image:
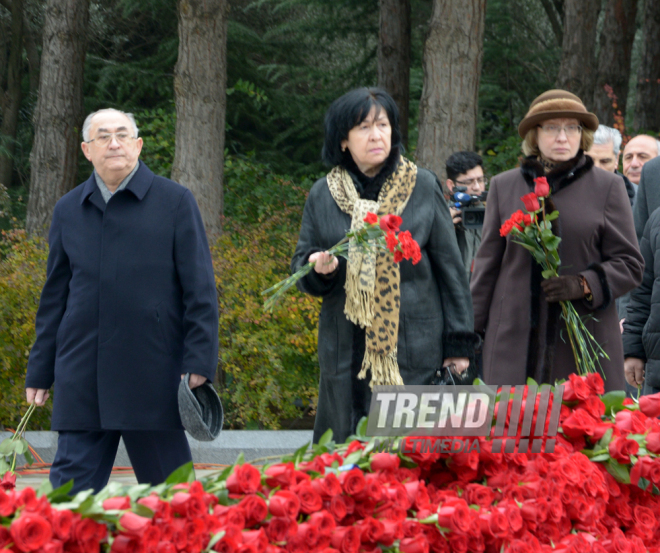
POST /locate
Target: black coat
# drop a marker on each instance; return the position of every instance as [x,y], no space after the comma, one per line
[128,306]
[435,319]
[641,329]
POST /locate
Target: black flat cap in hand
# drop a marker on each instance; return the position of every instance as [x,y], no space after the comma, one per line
[200,410]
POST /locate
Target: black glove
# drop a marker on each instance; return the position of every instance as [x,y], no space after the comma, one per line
[563,288]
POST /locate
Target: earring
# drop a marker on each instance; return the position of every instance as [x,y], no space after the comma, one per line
[343,149]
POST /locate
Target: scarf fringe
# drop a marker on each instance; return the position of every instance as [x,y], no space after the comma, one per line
[359,306]
[384,369]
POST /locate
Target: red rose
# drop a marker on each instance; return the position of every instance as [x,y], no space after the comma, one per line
[324,522]
[62,522]
[310,500]
[576,389]
[279,528]
[53,546]
[87,530]
[531,202]
[418,544]
[352,481]
[255,509]
[8,482]
[284,504]
[652,442]
[327,486]
[126,544]
[384,461]
[371,218]
[650,405]
[132,524]
[280,475]
[645,521]
[390,223]
[118,503]
[391,531]
[542,188]
[371,529]
[456,516]
[398,256]
[7,506]
[494,524]
[595,382]
[151,537]
[256,537]
[337,507]
[391,241]
[410,247]
[579,423]
[165,547]
[244,479]
[527,219]
[30,531]
[621,449]
[346,539]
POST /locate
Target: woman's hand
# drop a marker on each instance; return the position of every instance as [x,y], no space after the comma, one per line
[326,263]
[457,365]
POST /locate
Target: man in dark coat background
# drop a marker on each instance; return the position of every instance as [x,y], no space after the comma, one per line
[129,306]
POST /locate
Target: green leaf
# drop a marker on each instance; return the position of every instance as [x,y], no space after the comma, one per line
[600,458]
[606,439]
[353,458]
[361,430]
[21,446]
[548,273]
[552,216]
[240,460]
[28,457]
[4,465]
[7,446]
[327,436]
[143,510]
[613,400]
[137,491]
[620,472]
[45,488]
[546,234]
[531,382]
[215,539]
[552,243]
[185,473]
[61,492]
[300,453]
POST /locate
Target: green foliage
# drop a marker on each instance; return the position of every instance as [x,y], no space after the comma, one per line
[157,129]
[22,275]
[269,364]
[503,157]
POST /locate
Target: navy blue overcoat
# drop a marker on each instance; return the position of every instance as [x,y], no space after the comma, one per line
[128,306]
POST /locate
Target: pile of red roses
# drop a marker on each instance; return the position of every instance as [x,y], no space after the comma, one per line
[593,494]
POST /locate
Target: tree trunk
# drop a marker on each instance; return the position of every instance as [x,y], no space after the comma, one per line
[200,82]
[11,103]
[616,42]
[394,56]
[452,67]
[647,109]
[59,112]
[30,34]
[576,72]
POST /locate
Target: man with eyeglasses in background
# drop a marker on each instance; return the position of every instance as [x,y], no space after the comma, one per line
[128,307]
[465,171]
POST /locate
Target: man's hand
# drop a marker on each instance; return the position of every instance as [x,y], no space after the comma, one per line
[195,380]
[457,365]
[455,215]
[36,395]
[326,263]
[621,325]
[633,368]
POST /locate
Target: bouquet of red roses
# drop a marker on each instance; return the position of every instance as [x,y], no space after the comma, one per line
[376,233]
[532,229]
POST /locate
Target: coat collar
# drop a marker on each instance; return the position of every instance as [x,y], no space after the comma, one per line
[138,185]
[561,176]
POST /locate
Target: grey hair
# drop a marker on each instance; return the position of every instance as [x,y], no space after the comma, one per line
[88,122]
[604,134]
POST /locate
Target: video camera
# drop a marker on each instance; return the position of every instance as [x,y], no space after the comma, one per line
[472,208]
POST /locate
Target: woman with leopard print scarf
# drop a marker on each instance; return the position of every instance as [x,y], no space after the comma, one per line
[381,322]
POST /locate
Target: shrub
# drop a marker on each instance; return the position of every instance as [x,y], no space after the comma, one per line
[22,275]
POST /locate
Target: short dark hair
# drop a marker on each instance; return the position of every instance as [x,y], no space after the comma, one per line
[350,110]
[461,162]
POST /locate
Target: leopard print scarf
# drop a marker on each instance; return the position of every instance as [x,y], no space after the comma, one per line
[372,277]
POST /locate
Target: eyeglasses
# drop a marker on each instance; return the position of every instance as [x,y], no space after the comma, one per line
[483,181]
[105,138]
[555,130]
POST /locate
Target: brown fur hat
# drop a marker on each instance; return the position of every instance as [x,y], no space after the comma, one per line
[556,104]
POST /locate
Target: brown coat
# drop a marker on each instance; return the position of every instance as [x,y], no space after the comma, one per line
[524,335]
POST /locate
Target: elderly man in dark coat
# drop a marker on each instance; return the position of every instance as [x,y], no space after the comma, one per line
[129,306]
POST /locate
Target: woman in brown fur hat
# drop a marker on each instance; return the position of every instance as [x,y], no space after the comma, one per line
[514,306]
